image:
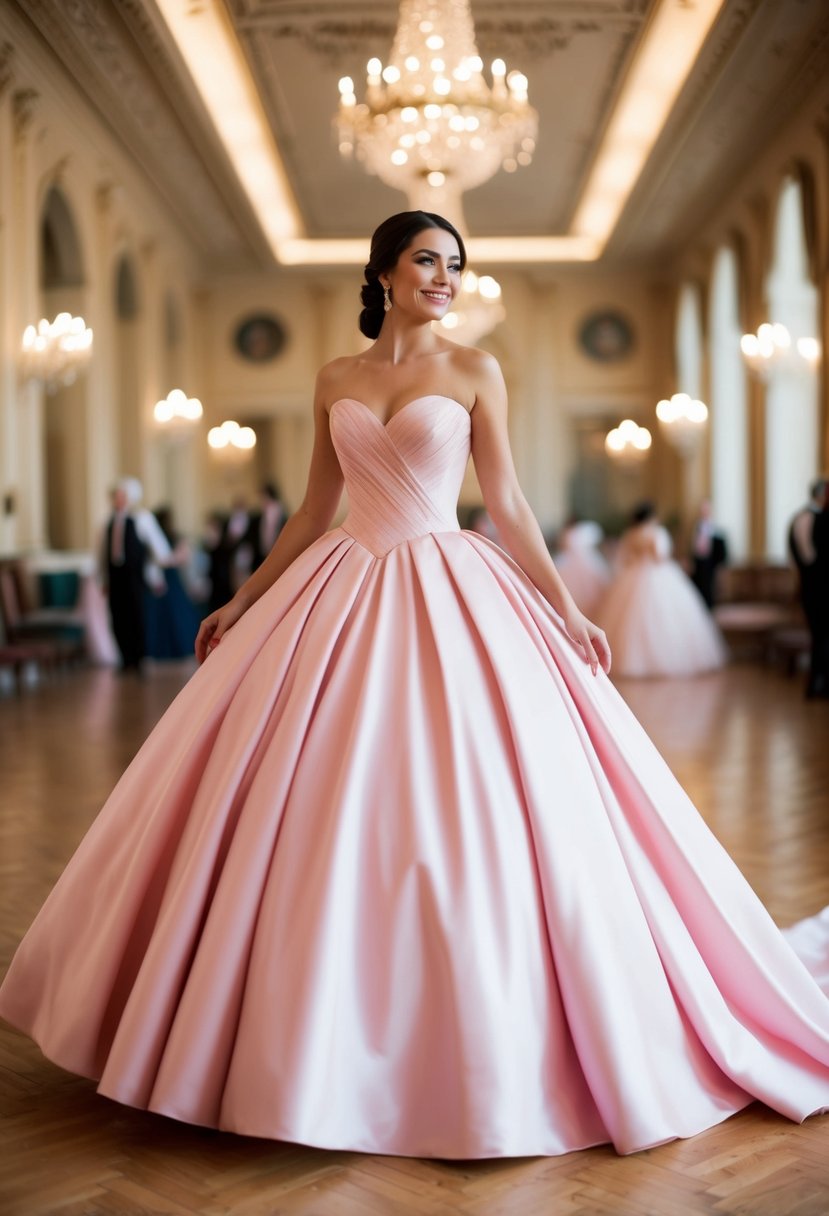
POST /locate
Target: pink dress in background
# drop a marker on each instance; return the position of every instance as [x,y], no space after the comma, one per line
[585,572]
[396,873]
[655,619]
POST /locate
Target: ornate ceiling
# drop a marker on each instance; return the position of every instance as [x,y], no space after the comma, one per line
[760,60]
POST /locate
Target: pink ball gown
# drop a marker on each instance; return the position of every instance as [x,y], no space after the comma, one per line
[655,619]
[396,873]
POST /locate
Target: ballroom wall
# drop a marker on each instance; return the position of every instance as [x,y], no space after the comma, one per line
[744,220]
[163,317]
[52,142]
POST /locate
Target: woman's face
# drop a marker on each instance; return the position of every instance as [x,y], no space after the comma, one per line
[427,276]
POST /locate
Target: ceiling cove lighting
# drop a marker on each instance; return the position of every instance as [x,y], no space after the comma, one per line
[207,44]
[662,63]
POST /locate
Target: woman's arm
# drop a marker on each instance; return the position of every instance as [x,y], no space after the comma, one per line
[311,519]
[511,513]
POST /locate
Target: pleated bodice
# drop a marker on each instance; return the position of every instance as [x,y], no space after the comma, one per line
[403,478]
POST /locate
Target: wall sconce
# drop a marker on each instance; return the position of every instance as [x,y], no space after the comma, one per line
[177,410]
[628,443]
[54,352]
[773,346]
[232,441]
[682,420]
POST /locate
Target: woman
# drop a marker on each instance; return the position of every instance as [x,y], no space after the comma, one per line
[396,872]
[581,565]
[171,621]
[654,616]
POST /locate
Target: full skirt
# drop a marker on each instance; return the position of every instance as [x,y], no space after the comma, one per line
[396,873]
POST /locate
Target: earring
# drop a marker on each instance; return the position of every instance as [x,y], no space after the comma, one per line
[387,298]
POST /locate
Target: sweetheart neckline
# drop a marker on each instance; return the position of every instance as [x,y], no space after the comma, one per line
[403,408]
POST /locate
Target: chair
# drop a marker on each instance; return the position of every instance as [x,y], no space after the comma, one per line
[17,656]
[58,633]
[757,606]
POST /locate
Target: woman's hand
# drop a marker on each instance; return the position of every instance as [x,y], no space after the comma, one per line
[591,639]
[214,627]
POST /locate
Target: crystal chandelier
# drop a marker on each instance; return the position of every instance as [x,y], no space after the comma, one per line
[682,419]
[773,346]
[429,116]
[55,352]
[432,127]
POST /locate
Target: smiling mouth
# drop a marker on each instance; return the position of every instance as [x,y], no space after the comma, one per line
[439,297]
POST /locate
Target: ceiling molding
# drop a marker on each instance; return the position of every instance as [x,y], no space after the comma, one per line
[114,55]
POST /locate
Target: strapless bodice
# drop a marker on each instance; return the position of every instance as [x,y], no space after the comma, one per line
[402,477]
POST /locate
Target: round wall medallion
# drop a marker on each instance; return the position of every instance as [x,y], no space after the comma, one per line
[260,337]
[606,336]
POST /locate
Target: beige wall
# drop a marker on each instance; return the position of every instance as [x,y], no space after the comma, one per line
[745,219]
[50,138]
[561,400]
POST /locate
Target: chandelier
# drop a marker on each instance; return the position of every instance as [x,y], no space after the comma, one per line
[682,419]
[55,352]
[429,115]
[628,443]
[478,309]
[433,127]
[773,346]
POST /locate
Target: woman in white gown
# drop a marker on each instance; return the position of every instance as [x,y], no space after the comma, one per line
[655,619]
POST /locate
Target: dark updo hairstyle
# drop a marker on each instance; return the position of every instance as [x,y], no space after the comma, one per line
[643,512]
[388,242]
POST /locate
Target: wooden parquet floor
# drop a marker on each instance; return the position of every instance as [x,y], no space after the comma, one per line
[754,757]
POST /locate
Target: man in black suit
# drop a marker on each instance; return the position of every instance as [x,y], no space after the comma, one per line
[267,523]
[708,553]
[134,549]
[809,547]
[123,562]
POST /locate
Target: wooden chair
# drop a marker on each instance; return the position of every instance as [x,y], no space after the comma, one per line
[58,634]
[17,657]
[757,603]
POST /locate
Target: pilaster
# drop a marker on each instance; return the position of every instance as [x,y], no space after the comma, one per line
[25,270]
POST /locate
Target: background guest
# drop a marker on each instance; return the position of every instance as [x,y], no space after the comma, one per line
[708,552]
[171,620]
[808,542]
[267,523]
[238,542]
[655,619]
[134,551]
[580,563]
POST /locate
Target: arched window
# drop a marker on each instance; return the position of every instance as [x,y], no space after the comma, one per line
[126,291]
[60,248]
[728,419]
[65,448]
[792,394]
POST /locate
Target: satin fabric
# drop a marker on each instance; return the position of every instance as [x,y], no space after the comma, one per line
[396,873]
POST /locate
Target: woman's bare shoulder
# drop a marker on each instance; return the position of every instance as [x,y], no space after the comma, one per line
[330,372]
[330,378]
[479,370]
